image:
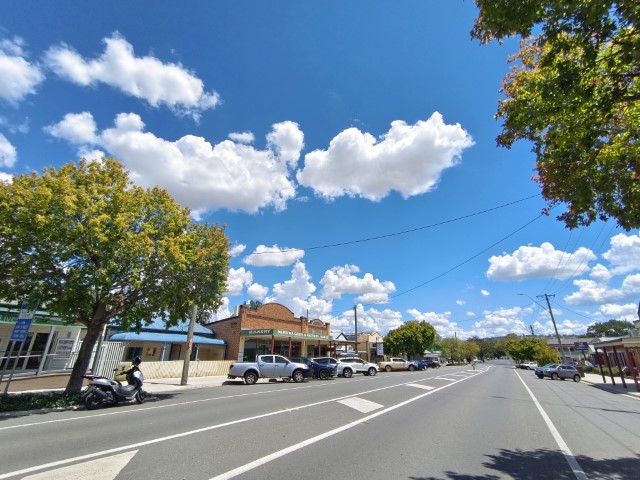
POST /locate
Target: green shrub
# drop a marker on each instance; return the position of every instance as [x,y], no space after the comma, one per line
[35,401]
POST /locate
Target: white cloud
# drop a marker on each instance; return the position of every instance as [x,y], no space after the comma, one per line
[275,256]
[75,128]
[485,293]
[237,280]
[257,291]
[624,254]
[5,177]
[593,293]
[369,320]
[296,294]
[613,311]
[409,159]
[539,262]
[242,137]
[198,174]
[341,280]
[461,302]
[442,322]
[287,140]
[8,154]
[237,250]
[19,77]
[146,77]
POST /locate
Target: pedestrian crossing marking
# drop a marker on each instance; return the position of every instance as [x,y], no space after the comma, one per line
[448,379]
[106,468]
[360,404]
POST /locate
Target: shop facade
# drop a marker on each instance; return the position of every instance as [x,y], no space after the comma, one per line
[272,328]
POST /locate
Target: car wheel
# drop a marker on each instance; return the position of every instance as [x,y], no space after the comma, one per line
[554,376]
[540,376]
[323,374]
[347,373]
[411,368]
[387,368]
[250,378]
[298,376]
[576,378]
[372,371]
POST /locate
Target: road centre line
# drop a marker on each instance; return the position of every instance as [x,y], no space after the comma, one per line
[571,460]
[215,427]
[281,453]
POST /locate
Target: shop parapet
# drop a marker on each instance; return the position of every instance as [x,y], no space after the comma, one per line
[283,333]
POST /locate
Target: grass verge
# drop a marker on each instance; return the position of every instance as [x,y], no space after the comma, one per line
[16,402]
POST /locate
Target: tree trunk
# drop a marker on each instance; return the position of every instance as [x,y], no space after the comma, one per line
[94,330]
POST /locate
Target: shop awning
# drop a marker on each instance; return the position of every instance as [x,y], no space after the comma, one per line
[163,338]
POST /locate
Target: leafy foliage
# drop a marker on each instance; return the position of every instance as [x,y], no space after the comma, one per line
[452,349]
[530,348]
[36,401]
[412,338]
[612,328]
[573,92]
[95,248]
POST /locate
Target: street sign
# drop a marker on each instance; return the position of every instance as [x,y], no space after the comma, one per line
[23,323]
[581,346]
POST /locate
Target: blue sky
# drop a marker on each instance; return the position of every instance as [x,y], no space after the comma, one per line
[348,147]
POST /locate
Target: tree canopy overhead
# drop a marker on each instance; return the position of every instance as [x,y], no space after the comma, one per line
[573,92]
[612,328]
[94,248]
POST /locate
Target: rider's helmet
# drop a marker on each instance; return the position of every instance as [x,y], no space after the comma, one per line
[137,360]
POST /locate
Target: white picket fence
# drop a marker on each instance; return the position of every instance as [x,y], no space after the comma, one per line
[110,357]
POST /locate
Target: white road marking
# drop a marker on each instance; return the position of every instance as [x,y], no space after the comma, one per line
[106,468]
[417,385]
[449,379]
[281,453]
[571,460]
[360,404]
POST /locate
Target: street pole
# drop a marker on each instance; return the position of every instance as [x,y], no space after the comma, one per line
[187,353]
[355,316]
[555,327]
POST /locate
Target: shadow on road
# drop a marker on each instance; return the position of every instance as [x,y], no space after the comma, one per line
[545,464]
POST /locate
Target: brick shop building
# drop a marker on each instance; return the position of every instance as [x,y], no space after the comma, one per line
[272,328]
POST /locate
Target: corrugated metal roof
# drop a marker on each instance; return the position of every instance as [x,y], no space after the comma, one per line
[163,338]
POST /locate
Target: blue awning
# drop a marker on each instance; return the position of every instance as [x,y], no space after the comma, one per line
[163,338]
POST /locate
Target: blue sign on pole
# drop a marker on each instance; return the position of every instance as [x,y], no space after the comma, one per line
[20,330]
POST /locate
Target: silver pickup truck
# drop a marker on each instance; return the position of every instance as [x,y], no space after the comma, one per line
[269,366]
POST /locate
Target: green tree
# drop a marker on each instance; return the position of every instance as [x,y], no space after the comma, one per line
[471,350]
[412,338]
[452,348]
[612,328]
[95,248]
[531,348]
[573,92]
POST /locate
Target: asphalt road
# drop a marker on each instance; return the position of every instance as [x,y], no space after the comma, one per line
[451,423]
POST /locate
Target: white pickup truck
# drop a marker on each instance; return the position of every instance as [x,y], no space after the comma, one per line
[269,366]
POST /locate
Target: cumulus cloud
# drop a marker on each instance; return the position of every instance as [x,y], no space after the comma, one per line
[237,280]
[591,292]
[19,76]
[147,78]
[275,256]
[8,154]
[485,293]
[257,291]
[237,250]
[624,254]
[539,262]
[198,174]
[628,311]
[5,177]
[242,137]
[369,320]
[409,159]
[341,280]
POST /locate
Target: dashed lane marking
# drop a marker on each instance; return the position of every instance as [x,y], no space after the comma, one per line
[417,385]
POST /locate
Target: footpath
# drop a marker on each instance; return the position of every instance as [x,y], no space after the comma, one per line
[57,382]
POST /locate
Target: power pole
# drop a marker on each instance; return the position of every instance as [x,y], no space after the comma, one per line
[355,317]
[555,327]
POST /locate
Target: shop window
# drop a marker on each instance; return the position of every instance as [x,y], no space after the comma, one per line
[132,352]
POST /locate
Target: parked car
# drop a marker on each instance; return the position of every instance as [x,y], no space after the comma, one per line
[269,366]
[318,370]
[424,364]
[562,372]
[347,366]
[397,363]
[528,365]
[539,371]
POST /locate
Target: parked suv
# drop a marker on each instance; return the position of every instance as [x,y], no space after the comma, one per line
[347,366]
[562,372]
[320,371]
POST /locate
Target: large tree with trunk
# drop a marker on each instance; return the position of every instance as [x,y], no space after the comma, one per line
[573,91]
[95,248]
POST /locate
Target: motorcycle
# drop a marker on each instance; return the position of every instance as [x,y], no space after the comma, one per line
[103,391]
